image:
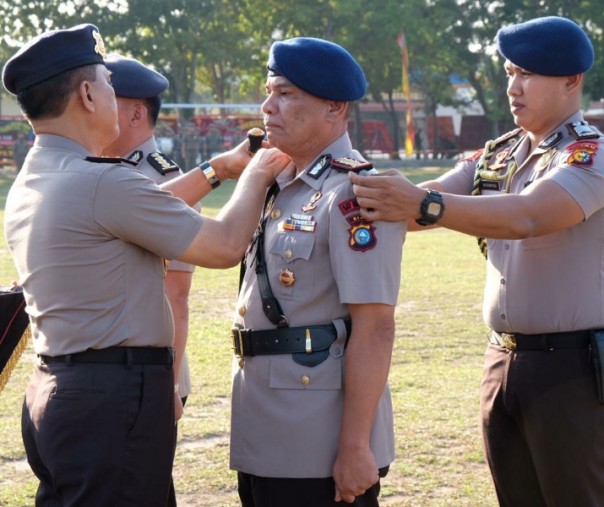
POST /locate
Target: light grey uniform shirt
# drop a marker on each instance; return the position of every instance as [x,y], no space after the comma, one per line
[282,426]
[554,282]
[144,166]
[88,240]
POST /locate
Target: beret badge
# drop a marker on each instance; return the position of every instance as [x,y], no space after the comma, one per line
[99,47]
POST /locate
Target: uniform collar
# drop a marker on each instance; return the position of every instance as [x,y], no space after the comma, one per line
[55,141]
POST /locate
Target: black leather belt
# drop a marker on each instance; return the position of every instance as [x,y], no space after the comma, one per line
[544,341]
[118,355]
[286,340]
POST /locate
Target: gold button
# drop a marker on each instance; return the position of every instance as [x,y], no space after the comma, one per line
[305,380]
[242,310]
[288,254]
[275,214]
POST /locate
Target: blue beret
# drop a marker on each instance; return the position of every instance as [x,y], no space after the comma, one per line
[51,54]
[550,46]
[132,79]
[319,67]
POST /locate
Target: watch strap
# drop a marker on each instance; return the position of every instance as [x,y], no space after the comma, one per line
[210,174]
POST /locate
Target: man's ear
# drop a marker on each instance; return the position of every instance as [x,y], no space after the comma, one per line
[139,114]
[86,94]
[337,108]
[574,82]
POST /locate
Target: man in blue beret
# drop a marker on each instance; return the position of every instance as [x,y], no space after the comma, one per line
[314,327]
[537,195]
[88,236]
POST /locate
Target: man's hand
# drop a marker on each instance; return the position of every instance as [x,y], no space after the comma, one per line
[267,163]
[387,196]
[354,472]
[178,408]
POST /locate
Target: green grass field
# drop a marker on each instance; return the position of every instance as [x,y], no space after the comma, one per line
[435,378]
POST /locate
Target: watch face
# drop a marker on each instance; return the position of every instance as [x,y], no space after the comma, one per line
[434,208]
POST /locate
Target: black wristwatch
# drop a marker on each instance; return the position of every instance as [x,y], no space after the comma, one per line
[432,208]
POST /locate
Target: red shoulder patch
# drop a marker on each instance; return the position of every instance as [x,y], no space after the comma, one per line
[581,153]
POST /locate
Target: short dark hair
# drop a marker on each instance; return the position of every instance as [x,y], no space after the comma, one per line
[49,98]
[153,105]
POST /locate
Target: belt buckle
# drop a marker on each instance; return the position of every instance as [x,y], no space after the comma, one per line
[238,342]
[509,341]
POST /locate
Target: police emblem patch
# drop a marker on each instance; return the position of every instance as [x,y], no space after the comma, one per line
[581,153]
[362,236]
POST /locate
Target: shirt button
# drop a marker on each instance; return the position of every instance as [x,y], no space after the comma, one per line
[507,246]
[288,254]
[304,380]
[502,316]
[275,214]
[242,310]
[502,281]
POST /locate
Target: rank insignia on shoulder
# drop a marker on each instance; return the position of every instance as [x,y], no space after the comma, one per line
[136,156]
[581,130]
[318,168]
[109,160]
[162,164]
[350,164]
[581,153]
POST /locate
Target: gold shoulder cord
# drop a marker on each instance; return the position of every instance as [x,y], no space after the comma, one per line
[484,173]
[14,358]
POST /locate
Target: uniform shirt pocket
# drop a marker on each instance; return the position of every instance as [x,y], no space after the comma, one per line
[291,275]
[287,374]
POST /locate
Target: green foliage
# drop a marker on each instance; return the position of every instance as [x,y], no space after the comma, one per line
[215,50]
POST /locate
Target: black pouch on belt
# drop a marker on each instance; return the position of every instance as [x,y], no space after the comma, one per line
[597,358]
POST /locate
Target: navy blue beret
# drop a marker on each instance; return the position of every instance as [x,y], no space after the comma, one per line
[550,46]
[132,79]
[51,54]
[319,67]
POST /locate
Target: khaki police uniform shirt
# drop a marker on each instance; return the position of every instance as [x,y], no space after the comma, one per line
[88,240]
[553,282]
[286,417]
[141,153]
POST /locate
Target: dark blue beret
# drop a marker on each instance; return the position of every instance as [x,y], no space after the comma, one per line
[132,79]
[51,54]
[550,46]
[318,67]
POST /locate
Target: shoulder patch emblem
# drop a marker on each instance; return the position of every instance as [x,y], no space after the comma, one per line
[362,234]
[581,153]
[348,206]
[162,164]
[350,164]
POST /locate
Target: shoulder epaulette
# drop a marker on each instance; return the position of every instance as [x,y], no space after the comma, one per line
[350,164]
[109,160]
[161,163]
[581,130]
[507,136]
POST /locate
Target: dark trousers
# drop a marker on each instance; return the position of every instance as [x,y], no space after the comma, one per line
[100,434]
[543,428]
[257,491]
[172,492]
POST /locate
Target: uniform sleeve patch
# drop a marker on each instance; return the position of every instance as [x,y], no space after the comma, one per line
[348,206]
[582,153]
[362,233]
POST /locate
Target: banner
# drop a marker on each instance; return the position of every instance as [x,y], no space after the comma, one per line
[410,130]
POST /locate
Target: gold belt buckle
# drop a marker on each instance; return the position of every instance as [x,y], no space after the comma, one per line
[239,339]
[509,341]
